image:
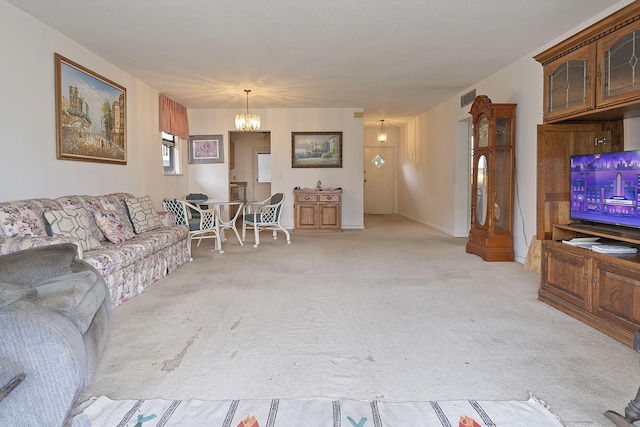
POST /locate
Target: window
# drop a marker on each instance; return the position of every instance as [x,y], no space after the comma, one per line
[170,157]
[264,167]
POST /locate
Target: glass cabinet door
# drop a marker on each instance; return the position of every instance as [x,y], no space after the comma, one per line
[482,190]
[619,77]
[503,176]
[568,84]
[503,193]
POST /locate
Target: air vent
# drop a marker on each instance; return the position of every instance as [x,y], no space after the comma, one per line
[467,98]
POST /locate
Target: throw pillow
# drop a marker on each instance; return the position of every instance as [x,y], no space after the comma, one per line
[143,215]
[74,223]
[119,210]
[112,227]
[35,265]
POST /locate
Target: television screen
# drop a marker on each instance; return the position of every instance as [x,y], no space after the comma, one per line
[604,188]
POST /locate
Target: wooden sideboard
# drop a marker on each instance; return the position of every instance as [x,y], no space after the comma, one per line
[318,211]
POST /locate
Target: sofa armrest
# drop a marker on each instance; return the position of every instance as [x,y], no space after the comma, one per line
[36,265]
[13,244]
[51,353]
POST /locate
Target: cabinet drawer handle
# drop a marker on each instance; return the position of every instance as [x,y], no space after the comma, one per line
[585,277]
[307,197]
[594,279]
[329,197]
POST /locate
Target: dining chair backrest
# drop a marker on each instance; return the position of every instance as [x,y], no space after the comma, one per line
[206,218]
[194,198]
[177,208]
[277,199]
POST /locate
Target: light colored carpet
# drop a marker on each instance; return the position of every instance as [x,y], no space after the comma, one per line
[396,312]
[103,411]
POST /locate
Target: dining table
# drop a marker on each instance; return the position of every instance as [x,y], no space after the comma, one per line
[226,219]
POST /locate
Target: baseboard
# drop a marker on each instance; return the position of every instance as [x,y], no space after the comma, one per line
[435,227]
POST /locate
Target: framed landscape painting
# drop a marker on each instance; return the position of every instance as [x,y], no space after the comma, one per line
[206,149]
[316,149]
[91,115]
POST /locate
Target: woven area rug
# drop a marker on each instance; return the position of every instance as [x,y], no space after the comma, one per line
[102,411]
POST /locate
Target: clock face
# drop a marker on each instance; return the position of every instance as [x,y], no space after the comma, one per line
[483,132]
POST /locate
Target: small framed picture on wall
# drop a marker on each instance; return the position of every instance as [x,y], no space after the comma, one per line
[206,149]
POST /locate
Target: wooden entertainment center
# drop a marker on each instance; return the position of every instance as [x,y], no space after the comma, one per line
[591,83]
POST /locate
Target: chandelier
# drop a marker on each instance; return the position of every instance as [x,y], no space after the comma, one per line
[382,135]
[247,121]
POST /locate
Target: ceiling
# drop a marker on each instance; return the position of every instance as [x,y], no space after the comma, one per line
[394,59]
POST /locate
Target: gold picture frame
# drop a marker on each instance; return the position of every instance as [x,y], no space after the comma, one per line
[316,149]
[91,115]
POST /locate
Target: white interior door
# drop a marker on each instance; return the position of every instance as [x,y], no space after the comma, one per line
[379,179]
[261,190]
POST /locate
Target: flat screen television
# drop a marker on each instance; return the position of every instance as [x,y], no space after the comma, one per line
[604,188]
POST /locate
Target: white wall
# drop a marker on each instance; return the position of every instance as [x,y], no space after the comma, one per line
[214,179]
[432,167]
[27,121]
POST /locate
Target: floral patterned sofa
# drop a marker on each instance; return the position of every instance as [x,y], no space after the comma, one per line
[123,237]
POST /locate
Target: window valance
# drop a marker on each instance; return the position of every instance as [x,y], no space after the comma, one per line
[173,117]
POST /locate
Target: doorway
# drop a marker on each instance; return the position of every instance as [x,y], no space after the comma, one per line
[244,148]
[379,180]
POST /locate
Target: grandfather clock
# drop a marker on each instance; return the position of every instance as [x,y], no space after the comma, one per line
[491,234]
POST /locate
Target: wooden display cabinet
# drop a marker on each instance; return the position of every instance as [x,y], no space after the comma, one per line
[596,72]
[568,87]
[317,210]
[491,234]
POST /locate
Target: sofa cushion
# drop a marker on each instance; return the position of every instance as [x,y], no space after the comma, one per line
[112,227]
[143,215]
[36,265]
[25,217]
[77,296]
[75,223]
[111,257]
